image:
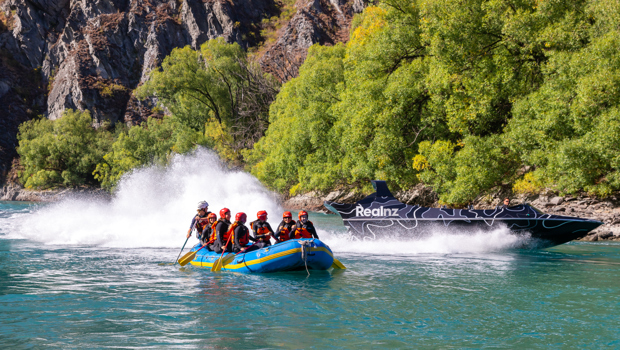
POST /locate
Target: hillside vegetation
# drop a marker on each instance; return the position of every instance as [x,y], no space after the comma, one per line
[466,96]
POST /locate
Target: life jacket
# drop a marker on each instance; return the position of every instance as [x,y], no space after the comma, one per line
[213,237]
[285,231]
[201,222]
[301,231]
[260,230]
[208,232]
[231,232]
[244,239]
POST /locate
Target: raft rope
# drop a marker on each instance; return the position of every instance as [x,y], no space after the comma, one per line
[305,248]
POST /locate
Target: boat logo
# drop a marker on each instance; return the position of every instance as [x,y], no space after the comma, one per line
[381,211]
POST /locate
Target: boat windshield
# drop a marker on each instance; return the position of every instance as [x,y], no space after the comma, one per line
[537,210]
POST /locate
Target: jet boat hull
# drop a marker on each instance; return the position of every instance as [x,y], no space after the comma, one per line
[380,215]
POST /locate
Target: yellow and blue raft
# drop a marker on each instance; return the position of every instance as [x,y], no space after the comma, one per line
[292,255]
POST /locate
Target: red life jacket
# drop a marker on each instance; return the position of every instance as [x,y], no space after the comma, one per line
[301,232]
[245,238]
[201,223]
[231,232]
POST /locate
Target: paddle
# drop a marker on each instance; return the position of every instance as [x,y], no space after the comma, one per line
[217,266]
[338,265]
[189,256]
[175,261]
[223,262]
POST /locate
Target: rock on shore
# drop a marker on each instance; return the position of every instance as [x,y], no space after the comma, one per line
[18,193]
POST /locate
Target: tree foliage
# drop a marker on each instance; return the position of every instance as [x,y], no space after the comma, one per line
[215,84]
[150,143]
[63,152]
[467,96]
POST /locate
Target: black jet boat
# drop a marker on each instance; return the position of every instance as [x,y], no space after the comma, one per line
[381,214]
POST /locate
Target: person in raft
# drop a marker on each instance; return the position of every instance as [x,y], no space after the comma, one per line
[241,234]
[219,236]
[262,230]
[283,233]
[200,219]
[207,231]
[304,228]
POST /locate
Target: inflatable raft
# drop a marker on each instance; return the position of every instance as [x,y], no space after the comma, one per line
[292,255]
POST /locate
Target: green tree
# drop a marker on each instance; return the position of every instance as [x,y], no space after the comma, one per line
[150,143]
[301,142]
[217,83]
[61,152]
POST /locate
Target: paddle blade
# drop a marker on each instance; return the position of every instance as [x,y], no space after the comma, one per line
[338,265]
[219,263]
[228,259]
[185,259]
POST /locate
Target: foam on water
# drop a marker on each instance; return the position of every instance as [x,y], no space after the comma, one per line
[152,207]
[437,242]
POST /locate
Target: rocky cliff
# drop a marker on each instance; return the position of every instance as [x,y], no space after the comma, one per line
[91,54]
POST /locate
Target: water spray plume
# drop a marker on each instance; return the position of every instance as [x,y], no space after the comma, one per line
[152,207]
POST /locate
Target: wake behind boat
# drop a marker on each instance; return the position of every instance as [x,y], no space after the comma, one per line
[381,214]
[292,255]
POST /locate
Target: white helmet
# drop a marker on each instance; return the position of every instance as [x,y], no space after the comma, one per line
[203,205]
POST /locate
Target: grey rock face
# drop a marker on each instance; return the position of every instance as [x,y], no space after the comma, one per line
[556,200]
[94,52]
[316,21]
[90,54]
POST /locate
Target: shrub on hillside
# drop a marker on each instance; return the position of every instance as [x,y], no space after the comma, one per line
[62,152]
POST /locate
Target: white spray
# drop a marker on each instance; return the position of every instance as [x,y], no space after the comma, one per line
[152,207]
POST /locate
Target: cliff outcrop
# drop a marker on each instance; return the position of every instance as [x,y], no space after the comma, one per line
[91,54]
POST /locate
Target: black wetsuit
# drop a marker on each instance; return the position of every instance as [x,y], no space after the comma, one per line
[261,240]
[240,232]
[221,228]
[278,235]
[206,235]
[308,226]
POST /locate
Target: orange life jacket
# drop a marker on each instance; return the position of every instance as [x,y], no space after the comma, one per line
[285,232]
[301,232]
[213,237]
[243,240]
[261,231]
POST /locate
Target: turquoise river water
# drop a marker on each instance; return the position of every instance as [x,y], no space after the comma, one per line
[88,274]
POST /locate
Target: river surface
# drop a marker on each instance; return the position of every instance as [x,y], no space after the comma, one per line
[449,291]
[89,273]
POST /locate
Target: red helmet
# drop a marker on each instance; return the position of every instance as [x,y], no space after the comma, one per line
[223,212]
[302,213]
[287,214]
[241,217]
[212,215]
[262,215]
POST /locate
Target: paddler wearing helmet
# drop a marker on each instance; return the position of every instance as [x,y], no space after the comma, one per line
[241,234]
[208,230]
[200,219]
[283,233]
[219,235]
[262,230]
[304,228]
